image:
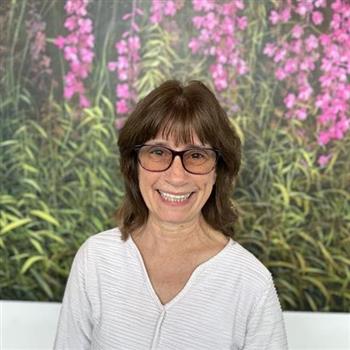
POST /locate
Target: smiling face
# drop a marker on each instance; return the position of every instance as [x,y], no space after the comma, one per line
[175,196]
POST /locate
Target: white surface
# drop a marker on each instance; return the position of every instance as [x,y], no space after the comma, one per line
[28,325]
[32,326]
[318,331]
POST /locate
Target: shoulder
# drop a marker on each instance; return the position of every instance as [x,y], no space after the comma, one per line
[102,245]
[242,265]
[112,236]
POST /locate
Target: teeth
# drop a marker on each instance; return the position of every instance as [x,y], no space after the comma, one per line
[174,198]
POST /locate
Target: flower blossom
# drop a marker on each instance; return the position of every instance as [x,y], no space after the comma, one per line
[163,8]
[77,49]
[296,61]
[40,62]
[219,27]
[126,66]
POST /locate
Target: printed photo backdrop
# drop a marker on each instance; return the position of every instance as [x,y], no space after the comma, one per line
[70,73]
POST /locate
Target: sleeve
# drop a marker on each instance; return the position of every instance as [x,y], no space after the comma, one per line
[75,322]
[266,330]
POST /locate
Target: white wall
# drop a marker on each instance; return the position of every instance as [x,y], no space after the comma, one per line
[32,326]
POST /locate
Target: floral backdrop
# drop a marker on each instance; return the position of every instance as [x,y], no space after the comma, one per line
[70,73]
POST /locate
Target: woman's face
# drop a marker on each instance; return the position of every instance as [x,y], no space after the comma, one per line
[175,196]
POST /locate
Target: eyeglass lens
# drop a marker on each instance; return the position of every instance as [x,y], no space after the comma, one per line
[195,160]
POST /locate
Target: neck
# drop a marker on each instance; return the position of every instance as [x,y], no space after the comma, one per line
[166,238]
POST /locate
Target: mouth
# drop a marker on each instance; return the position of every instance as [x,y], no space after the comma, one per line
[175,198]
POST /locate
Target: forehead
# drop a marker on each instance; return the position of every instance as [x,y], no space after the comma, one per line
[175,140]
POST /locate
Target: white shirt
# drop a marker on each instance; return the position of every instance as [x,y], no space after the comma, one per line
[229,302]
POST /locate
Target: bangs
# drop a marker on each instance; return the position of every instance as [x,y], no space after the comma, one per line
[181,126]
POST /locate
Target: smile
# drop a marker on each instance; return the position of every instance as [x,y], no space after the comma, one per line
[173,197]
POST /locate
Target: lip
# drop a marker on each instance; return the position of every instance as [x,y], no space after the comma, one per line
[175,203]
[176,193]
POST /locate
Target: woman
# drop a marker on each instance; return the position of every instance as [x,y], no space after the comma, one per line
[171,276]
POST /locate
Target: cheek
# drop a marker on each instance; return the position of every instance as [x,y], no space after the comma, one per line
[212,179]
[146,182]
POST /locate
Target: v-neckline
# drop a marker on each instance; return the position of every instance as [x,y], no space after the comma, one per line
[188,283]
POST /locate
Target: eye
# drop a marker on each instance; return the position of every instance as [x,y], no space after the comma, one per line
[197,155]
[157,151]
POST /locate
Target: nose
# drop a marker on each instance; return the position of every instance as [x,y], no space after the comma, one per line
[176,170]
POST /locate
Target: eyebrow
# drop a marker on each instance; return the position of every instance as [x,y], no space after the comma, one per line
[164,144]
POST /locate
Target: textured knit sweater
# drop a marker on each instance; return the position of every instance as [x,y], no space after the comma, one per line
[229,302]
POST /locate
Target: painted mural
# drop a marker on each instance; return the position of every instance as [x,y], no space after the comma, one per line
[70,73]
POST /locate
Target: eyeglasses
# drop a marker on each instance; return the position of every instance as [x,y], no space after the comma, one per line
[199,161]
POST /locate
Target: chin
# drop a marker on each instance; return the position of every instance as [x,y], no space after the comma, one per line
[174,219]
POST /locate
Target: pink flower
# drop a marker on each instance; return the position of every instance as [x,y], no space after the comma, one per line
[239,4]
[301,114]
[211,21]
[279,55]
[156,18]
[60,42]
[274,17]
[119,123]
[291,66]
[83,101]
[241,67]
[85,25]
[289,101]
[219,75]
[344,124]
[297,31]
[71,53]
[205,5]
[194,45]
[86,55]
[219,38]
[304,93]
[134,43]
[169,8]
[87,40]
[80,69]
[77,48]
[122,107]
[325,39]
[323,138]
[123,91]
[70,23]
[122,47]
[280,74]
[68,92]
[112,66]
[296,46]
[317,17]
[242,22]
[311,43]
[198,21]
[269,49]
[72,39]
[285,15]
[323,160]
[302,9]
[320,3]
[123,62]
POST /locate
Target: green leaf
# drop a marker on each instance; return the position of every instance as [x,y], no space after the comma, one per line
[45,216]
[37,246]
[284,192]
[30,261]
[14,225]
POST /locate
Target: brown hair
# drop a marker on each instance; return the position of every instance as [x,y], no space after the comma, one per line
[178,110]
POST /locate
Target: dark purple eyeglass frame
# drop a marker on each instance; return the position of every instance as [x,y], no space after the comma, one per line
[180,154]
